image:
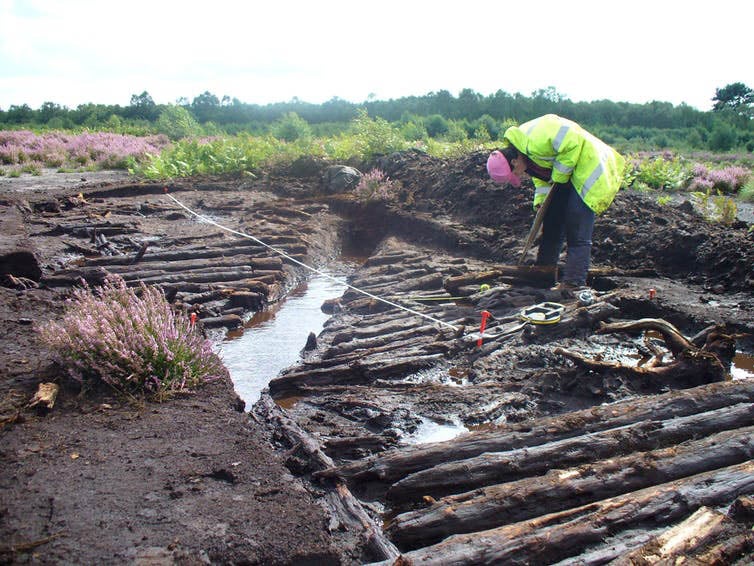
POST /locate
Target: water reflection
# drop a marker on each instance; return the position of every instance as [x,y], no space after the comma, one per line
[431,431]
[742,366]
[272,340]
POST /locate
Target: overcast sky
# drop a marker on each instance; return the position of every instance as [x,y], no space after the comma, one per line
[76,51]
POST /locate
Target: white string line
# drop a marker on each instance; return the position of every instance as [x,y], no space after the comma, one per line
[315,270]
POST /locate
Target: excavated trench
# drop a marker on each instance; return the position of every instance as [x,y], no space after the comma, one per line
[590,440]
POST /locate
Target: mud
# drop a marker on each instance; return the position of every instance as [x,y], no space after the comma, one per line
[103,478]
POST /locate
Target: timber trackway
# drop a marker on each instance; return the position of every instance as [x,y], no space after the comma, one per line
[596,439]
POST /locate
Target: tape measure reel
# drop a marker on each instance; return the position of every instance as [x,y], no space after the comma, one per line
[543,313]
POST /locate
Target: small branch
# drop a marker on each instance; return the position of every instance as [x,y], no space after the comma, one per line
[27,546]
[675,341]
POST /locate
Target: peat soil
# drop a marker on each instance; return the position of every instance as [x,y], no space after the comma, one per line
[104,478]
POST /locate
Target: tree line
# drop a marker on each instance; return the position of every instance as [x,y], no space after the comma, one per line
[729,125]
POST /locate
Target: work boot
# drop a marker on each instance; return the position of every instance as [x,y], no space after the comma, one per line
[565,289]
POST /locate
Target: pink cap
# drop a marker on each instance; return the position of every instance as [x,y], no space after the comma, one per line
[500,170]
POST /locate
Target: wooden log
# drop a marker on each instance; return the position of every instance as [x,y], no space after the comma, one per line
[228,321]
[361,371]
[495,467]
[287,383]
[705,533]
[742,510]
[86,230]
[81,249]
[530,273]
[560,489]
[203,297]
[394,257]
[271,263]
[210,276]
[268,282]
[370,281]
[238,247]
[432,281]
[390,337]
[534,274]
[343,504]
[355,446]
[245,299]
[691,367]
[348,332]
[45,396]
[397,464]
[564,534]
[673,337]
[350,352]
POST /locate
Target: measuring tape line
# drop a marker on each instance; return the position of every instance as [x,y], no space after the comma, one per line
[310,268]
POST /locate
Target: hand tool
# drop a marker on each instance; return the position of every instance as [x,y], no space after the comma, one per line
[537,224]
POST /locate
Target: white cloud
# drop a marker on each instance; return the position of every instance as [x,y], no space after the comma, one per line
[89,51]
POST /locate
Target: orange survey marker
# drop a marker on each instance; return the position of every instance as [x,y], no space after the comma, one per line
[485,316]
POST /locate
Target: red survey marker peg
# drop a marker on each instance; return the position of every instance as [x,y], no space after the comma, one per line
[485,316]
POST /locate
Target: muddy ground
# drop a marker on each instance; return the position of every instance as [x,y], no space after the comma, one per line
[102,478]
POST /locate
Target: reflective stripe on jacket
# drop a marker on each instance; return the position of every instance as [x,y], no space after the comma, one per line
[594,168]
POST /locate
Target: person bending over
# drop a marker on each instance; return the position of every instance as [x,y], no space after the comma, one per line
[582,171]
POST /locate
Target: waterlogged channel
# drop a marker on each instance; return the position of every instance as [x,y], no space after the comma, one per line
[272,339]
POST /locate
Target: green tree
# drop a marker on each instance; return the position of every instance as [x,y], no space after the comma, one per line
[48,111]
[19,114]
[142,107]
[205,106]
[735,96]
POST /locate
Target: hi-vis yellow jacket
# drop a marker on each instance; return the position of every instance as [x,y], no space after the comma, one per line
[594,168]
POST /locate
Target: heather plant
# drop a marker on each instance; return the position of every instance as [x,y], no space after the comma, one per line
[131,340]
[101,150]
[728,180]
[374,186]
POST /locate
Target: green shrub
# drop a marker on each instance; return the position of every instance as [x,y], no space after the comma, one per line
[131,340]
[456,132]
[291,127]
[659,172]
[177,123]
[746,193]
[375,137]
[436,126]
[716,208]
[32,168]
[722,138]
[413,131]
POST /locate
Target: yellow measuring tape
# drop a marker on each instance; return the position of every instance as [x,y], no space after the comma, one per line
[543,313]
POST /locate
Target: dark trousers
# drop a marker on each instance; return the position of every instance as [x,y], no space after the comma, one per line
[567,219]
